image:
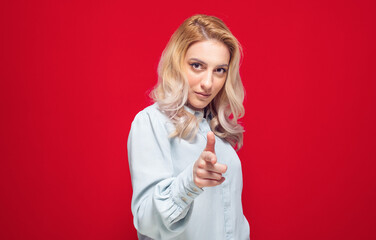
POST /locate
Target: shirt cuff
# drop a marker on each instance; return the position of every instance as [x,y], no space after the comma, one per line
[185,190]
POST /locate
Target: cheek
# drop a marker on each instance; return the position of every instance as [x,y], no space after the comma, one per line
[220,84]
[193,79]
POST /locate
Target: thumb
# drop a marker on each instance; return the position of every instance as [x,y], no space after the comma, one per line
[210,142]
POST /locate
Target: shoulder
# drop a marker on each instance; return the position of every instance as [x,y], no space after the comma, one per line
[151,112]
[153,117]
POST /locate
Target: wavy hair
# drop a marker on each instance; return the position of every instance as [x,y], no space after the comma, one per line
[171,92]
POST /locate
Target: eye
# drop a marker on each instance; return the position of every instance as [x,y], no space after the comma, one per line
[221,70]
[196,66]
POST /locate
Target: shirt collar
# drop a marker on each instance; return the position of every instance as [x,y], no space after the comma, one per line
[194,112]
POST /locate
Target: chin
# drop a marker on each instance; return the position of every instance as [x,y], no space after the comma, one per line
[198,106]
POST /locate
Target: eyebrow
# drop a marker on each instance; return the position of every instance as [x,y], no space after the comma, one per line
[200,61]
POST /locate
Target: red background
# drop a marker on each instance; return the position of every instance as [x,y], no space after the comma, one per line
[74,74]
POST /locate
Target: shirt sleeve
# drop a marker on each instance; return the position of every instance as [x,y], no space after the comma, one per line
[162,202]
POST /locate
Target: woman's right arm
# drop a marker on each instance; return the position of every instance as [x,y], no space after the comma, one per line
[161,202]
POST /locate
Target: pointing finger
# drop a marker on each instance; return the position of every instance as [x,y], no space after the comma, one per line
[210,142]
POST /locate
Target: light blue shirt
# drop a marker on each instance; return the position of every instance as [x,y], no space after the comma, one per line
[166,203]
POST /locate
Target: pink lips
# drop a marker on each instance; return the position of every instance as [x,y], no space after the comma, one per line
[202,95]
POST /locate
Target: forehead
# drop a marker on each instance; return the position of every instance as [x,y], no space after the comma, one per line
[211,52]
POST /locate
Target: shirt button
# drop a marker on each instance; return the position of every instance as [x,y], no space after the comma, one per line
[184,199]
[195,189]
[189,194]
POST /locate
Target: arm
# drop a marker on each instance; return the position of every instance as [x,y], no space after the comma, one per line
[161,202]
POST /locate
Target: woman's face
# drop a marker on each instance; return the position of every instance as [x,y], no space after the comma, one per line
[205,66]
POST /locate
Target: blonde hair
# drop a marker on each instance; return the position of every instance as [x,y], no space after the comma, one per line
[171,92]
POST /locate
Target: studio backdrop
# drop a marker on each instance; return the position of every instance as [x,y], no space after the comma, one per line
[74,74]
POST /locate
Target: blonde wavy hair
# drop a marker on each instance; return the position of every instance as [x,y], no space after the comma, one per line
[171,92]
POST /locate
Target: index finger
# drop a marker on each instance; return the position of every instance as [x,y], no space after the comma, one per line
[210,144]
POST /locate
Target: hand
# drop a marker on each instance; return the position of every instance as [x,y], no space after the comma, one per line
[207,172]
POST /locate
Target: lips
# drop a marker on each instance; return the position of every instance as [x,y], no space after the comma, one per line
[202,94]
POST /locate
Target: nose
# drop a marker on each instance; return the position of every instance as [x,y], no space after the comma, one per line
[207,82]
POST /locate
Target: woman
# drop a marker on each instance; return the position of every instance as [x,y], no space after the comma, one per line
[186,175]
